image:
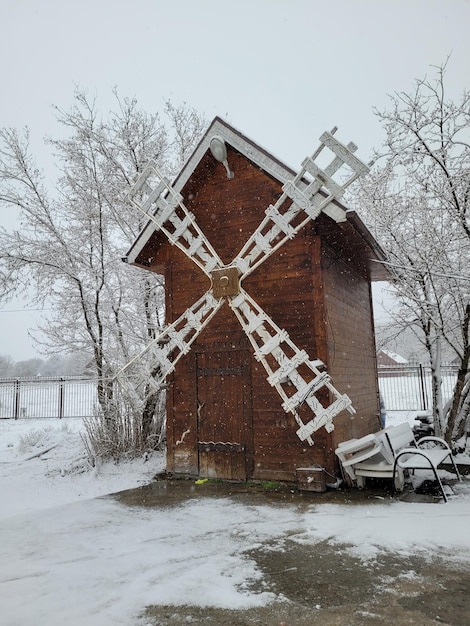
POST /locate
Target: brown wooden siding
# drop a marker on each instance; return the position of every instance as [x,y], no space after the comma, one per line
[228,211]
[351,344]
[323,304]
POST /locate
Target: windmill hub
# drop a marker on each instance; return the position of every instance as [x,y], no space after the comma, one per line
[225,282]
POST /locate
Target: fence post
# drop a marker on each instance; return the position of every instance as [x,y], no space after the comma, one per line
[422,387]
[17,398]
[61,398]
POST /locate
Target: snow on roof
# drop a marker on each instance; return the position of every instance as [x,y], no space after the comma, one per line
[393,355]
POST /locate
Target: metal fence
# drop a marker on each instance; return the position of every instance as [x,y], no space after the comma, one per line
[409,387]
[47,397]
[403,388]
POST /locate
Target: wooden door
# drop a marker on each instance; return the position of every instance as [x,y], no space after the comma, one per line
[225,445]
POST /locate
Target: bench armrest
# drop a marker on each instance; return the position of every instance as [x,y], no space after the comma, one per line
[356,445]
[431,439]
[362,456]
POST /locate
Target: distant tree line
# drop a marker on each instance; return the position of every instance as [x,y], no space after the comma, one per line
[57,365]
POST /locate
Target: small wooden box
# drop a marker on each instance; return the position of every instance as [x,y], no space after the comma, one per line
[311,479]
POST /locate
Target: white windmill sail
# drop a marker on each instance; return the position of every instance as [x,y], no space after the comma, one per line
[297,378]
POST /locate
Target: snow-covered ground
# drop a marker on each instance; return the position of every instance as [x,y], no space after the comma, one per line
[69,557]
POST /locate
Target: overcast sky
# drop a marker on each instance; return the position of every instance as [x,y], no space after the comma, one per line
[281,71]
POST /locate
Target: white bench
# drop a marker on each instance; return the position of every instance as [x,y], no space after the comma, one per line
[355,451]
[369,457]
[396,452]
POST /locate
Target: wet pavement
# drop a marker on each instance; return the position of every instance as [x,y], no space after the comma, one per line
[323,583]
[174,491]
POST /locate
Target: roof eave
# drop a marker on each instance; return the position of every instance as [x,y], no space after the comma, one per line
[258,155]
[378,268]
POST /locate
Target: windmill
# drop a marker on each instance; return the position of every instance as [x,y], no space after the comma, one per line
[299,380]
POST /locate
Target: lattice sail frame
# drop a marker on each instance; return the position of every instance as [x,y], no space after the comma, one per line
[296,377]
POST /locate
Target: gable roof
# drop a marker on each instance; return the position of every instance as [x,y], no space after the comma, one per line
[277,169]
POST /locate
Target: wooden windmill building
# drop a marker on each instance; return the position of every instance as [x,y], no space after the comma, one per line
[268,295]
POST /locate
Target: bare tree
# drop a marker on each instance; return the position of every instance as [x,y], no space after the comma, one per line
[417,203]
[73,234]
[6,366]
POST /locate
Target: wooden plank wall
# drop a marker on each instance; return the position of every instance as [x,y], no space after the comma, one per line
[293,287]
[351,343]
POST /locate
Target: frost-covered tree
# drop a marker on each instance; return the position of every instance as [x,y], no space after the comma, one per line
[6,366]
[417,202]
[73,232]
